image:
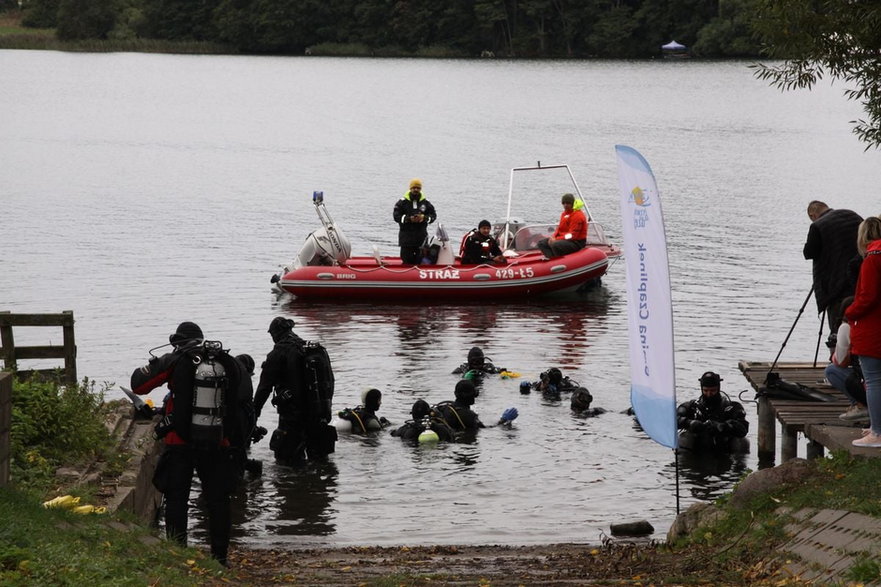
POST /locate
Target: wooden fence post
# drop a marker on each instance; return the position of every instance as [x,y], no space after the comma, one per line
[69,347]
[767,432]
[7,341]
[5,426]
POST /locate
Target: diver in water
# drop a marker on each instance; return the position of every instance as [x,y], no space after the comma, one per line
[421,421]
[363,419]
[458,414]
[552,383]
[712,421]
[477,366]
[580,403]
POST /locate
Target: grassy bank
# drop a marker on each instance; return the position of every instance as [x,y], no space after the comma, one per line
[41,546]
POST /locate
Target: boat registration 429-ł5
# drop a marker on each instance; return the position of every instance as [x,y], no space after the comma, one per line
[512,273]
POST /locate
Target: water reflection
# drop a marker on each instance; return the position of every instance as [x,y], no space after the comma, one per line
[710,474]
[301,499]
[573,322]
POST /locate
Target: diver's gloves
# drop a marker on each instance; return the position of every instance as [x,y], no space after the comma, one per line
[697,426]
[509,415]
[258,434]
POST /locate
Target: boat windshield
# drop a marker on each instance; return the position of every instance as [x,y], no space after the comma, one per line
[526,237]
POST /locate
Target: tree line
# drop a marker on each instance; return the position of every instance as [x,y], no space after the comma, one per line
[456,28]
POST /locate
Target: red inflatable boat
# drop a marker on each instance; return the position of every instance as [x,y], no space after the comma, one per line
[324,268]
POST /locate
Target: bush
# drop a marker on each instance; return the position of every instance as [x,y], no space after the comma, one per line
[54,425]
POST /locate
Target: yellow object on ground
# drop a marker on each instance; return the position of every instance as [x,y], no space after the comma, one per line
[89,509]
[62,501]
[509,375]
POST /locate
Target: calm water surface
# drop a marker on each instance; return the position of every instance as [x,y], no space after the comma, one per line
[143,190]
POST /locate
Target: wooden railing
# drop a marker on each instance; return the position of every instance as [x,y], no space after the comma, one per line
[11,354]
[5,426]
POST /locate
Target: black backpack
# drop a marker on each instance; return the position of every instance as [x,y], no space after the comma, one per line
[319,380]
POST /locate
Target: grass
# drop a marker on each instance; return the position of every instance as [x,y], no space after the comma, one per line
[41,546]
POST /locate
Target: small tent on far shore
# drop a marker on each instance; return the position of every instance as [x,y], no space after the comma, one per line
[674,49]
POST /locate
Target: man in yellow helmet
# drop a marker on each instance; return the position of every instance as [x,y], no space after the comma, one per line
[413,213]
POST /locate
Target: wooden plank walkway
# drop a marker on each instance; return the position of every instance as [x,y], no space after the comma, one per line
[818,421]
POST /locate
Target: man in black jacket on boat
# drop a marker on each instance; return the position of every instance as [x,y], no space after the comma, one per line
[413,213]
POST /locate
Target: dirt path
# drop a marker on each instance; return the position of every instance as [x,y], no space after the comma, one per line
[556,564]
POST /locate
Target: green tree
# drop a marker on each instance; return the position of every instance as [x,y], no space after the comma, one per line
[613,31]
[41,14]
[86,19]
[730,33]
[839,39]
[495,25]
[180,20]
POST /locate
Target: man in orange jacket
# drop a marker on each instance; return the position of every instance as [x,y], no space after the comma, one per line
[571,233]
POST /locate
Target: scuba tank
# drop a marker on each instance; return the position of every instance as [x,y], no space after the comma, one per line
[209,391]
[427,435]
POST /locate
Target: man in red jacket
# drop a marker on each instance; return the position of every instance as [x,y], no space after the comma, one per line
[571,233]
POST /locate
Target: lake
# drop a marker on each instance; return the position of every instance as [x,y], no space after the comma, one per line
[143,190]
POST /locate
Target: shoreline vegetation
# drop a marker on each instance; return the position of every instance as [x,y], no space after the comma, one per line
[220,27]
[735,541]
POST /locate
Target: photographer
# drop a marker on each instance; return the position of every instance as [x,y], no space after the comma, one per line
[413,213]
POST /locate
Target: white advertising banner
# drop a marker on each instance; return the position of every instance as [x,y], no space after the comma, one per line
[649,305]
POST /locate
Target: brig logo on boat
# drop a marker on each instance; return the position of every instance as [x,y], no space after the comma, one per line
[438,274]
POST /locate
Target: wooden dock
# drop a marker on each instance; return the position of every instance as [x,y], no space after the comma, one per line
[818,421]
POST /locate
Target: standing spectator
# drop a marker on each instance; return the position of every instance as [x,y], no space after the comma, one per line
[413,213]
[864,315]
[831,244]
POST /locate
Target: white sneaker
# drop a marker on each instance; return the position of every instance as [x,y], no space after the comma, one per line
[870,440]
[855,412]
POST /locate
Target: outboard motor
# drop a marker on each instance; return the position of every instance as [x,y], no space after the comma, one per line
[325,246]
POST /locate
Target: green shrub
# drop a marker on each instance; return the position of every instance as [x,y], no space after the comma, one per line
[54,425]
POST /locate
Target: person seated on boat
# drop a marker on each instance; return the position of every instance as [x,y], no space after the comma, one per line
[712,421]
[552,383]
[477,366]
[363,419]
[421,421]
[413,213]
[458,414]
[843,371]
[580,404]
[481,247]
[571,233]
